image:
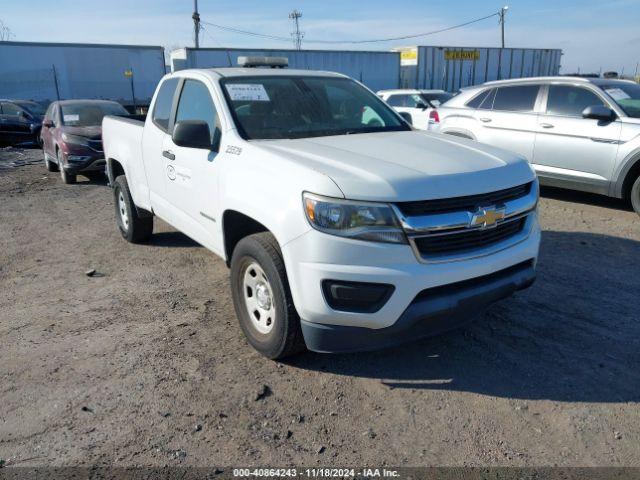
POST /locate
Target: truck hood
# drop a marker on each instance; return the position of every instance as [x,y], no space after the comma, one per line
[405,166]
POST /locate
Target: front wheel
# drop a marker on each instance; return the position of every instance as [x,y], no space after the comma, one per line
[51,166]
[635,195]
[67,178]
[133,227]
[262,298]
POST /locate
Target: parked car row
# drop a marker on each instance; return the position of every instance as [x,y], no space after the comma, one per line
[345,228]
[577,133]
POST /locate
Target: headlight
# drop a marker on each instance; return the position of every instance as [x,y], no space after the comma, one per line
[375,222]
[75,139]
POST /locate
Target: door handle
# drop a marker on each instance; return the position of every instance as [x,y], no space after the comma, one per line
[485,119]
[546,125]
[168,154]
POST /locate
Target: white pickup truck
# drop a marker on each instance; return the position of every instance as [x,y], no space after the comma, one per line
[344,228]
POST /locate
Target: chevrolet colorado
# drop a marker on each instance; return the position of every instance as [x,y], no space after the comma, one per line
[344,228]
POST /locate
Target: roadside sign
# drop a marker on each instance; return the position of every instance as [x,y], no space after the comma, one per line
[472,55]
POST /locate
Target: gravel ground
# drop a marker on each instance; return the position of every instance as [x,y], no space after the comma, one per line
[144,363]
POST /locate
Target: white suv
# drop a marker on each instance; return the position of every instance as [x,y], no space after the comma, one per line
[418,106]
[578,133]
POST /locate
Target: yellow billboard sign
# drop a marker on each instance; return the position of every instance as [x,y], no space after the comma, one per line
[472,55]
[409,56]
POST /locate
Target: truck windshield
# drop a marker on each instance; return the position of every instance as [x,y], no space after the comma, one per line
[89,114]
[626,95]
[271,107]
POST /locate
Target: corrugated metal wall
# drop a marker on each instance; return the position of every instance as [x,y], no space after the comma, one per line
[377,70]
[81,71]
[438,67]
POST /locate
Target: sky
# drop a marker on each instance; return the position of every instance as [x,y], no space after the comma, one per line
[594,35]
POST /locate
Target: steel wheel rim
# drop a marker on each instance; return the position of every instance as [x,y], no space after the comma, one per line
[122,209]
[258,298]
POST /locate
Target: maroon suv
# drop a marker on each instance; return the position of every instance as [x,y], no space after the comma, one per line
[72,136]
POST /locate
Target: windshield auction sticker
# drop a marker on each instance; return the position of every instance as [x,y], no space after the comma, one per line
[251,92]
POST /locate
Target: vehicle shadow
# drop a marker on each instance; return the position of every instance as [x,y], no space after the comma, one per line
[171,239]
[573,336]
[93,179]
[575,196]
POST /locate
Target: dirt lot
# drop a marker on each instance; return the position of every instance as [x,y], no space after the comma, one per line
[144,364]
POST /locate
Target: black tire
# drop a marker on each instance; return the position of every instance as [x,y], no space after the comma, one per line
[51,166]
[635,195]
[285,337]
[133,227]
[67,178]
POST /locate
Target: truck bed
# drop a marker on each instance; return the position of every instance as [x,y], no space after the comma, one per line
[122,143]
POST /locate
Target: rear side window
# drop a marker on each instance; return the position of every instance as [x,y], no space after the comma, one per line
[516,99]
[570,101]
[487,102]
[196,104]
[477,100]
[162,108]
[396,100]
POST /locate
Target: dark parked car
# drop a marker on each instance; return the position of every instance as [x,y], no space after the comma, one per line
[20,121]
[72,136]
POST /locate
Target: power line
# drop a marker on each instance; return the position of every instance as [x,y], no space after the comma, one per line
[377,40]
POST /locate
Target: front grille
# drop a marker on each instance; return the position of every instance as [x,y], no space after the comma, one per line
[436,245]
[470,202]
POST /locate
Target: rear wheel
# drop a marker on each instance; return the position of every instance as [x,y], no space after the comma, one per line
[635,195]
[67,178]
[135,228]
[262,298]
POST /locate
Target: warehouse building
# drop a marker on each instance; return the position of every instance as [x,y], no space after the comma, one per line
[452,68]
[377,70]
[44,72]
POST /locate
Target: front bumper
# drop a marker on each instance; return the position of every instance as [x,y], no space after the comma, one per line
[87,164]
[433,311]
[306,260]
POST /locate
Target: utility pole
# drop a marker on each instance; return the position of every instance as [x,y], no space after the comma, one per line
[297,34]
[196,24]
[502,13]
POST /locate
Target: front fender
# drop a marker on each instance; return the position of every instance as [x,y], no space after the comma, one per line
[268,189]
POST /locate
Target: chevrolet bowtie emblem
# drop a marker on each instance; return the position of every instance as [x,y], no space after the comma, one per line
[487,217]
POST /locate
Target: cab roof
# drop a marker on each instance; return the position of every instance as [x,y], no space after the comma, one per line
[235,72]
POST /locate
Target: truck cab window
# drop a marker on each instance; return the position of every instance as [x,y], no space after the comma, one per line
[162,108]
[196,104]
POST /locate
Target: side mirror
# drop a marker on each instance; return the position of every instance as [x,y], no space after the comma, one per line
[48,123]
[422,105]
[192,134]
[599,112]
[407,117]
[24,115]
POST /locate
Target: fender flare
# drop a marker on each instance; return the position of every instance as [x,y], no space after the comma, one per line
[629,164]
